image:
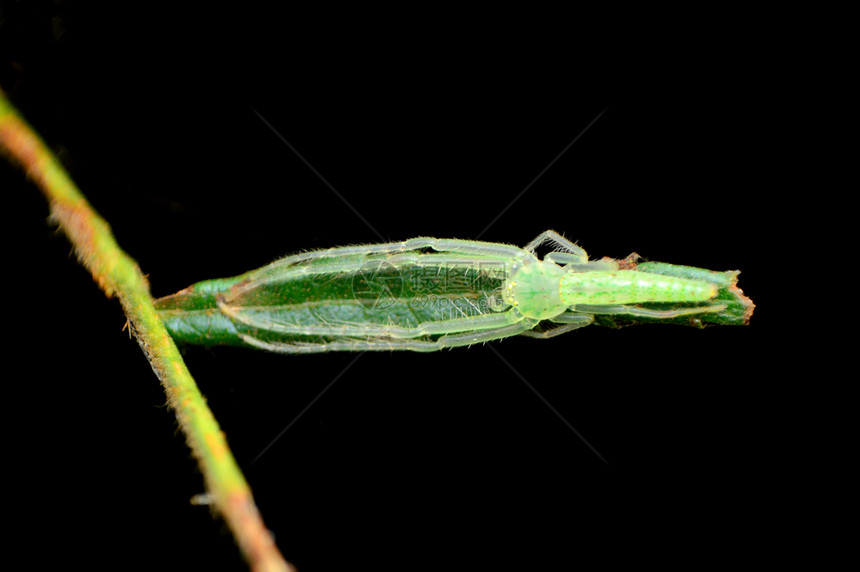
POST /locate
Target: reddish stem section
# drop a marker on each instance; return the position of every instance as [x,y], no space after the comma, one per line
[118,274]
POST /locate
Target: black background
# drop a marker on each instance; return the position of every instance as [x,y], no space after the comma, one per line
[425,128]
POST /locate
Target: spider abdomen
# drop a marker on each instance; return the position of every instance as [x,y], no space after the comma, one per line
[630,287]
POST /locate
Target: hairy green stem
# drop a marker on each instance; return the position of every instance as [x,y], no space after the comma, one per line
[118,274]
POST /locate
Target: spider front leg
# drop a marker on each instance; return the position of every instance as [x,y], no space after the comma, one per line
[492,321]
[391,344]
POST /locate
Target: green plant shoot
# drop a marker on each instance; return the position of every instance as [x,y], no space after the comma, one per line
[427,294]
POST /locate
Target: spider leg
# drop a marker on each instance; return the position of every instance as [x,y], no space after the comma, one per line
[451,252]
[562,258]
[474,247]
[565,246]
[479,322]
[456,325]
[382,344]
[575,263]
[571,321]
[555,238]
[573,318]
[441,245]
[647,312]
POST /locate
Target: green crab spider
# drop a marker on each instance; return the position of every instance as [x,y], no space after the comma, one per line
[564,288]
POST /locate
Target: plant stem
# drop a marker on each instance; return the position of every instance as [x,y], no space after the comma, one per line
[118,274]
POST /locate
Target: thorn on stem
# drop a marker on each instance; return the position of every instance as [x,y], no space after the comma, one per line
[202,499]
